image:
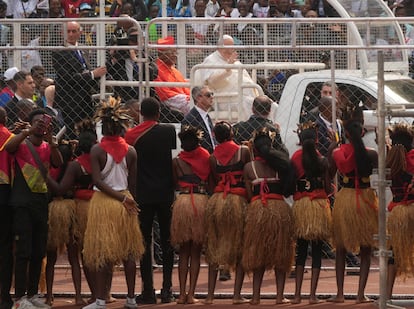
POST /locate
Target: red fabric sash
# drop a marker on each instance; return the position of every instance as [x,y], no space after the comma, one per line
[392,204]
[83,194]
[344,158]
[199,160]
[5,136]
[225,184]
[190,186]
[225,151]
[85,161]
[316,194]
[265,195]
[134,134]
[116,146]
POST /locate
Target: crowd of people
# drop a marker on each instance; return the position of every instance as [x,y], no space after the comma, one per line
[97,200]
[228,180]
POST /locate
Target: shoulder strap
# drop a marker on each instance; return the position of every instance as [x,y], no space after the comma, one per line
[36,157]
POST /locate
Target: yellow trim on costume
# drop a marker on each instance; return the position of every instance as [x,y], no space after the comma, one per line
[4,144]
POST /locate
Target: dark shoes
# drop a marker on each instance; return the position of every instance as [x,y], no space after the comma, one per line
[224,275]
[146,298]
[6,304]
[352,260]
[167,296]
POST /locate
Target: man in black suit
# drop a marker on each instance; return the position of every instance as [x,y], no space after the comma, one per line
[198,116]
[74,80]
[155,193]
[25,88]
[261,108]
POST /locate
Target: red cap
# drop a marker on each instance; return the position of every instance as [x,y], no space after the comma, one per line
[169,40]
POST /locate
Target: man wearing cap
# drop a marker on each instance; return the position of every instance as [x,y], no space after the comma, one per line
[74,80]
[8,92]
[177,98]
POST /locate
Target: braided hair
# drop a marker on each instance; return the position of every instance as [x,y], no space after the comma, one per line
[86,132]
[311,161]
[402,136]
[353,121]
[190,137]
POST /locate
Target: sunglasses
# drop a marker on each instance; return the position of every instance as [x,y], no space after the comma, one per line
[208,94]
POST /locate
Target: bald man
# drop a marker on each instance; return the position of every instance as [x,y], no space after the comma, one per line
[74,79]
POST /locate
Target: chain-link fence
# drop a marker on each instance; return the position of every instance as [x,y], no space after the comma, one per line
[274,55]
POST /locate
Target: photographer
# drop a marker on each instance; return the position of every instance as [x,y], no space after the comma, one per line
[122,64]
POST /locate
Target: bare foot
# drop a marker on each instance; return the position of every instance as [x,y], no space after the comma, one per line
[239,300]
[49,301]
[314,300]
[110,299]
[296,300]
[363,300]
[255,302]
[208,300]
[181,299]
[282,301]
[337,299]
[192,300]
[79,301]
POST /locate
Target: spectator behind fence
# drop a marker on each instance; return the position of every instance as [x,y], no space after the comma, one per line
[74,80]
[25,87]
[8,91]
[198,116]
[243,130]
[224,81]
[177,98]
[31,57]
[5,37]
[22,9]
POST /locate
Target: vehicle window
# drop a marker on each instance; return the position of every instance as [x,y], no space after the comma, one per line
[346,93]
[404,88]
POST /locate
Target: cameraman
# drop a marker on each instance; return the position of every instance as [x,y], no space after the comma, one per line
[122,64]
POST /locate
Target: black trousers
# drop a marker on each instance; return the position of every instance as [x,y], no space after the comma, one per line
[146,217]
[6,244]
[30,234]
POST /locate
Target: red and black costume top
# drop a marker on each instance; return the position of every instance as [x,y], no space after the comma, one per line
[344,158]
[402,184]
[84,186]
[198,159]
[265,188]
[230,175]
[310,187]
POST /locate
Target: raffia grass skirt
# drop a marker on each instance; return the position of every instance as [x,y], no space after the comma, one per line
[112,235]
[61,223]
[187,221]
[225,226]
[268,236]
[355,226]
[313,219]
[400,226]
[81,215]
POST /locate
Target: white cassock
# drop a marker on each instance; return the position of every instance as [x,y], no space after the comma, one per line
[225,87]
